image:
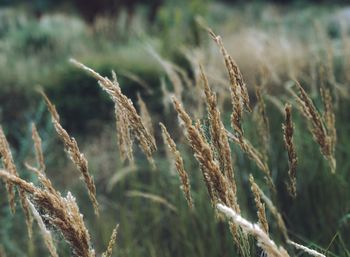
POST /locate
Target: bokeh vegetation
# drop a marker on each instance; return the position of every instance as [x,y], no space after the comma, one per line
[272,44]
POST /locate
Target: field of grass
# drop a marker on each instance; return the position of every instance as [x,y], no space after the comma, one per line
[221,130]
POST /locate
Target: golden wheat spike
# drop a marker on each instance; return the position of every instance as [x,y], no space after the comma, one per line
[72,149]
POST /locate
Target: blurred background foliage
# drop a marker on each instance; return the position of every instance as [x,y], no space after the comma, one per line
[135,38]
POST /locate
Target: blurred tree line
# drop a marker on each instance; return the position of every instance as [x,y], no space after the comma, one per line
[90,9]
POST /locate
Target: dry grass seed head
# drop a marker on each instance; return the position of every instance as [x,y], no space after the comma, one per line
[219,137]
[61,212]
[46,234]
[259,205]
[124,138]
[145,115]
[9,165]
[186,186]
[219,188]
[262,123]
[318,129]
[254,155]
[145,139]
[112,242]
[38,148]
[72,149]
[288,131]
[273,209]
[329,117]
[204,155]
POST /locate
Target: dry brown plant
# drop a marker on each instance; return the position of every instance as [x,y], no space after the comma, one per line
[38,148]
[139,130]
[9,165]
[274,211]
[218,134]
[259,205]
[262,123]
[325,136]
[288,131]
[60,212]
[72,149]
[239,91]
[124,137]
[254,155]
[46,234]
[145,115]
[240,101]
[112,242]
[179,164]
[219,187]
[153,198]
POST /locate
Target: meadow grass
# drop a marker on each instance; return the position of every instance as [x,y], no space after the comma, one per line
[279,174]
